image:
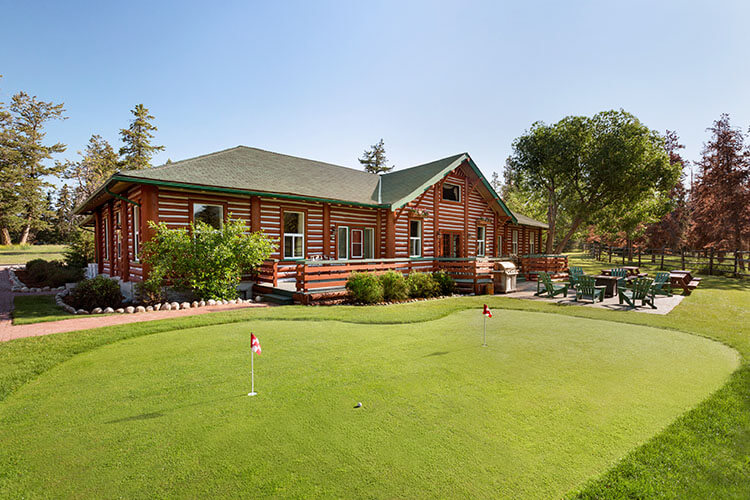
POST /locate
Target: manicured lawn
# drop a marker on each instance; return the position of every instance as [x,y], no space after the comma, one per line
[702,454]
[29,309]
[21,254]
[553,401]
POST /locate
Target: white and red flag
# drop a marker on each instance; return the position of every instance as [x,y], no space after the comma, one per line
[255,345]
[487,312]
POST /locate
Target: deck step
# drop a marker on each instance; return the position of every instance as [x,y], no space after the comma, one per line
[276,298]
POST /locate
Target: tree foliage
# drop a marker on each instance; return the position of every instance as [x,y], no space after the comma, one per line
[374,159]
[137,149]
[98,162]
[208,261]
[591,169]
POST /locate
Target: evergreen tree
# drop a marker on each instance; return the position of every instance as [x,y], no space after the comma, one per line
[29,153]
[10,176]
[65,221]
[137,150]
[97,164]
[720,200]
[374,159]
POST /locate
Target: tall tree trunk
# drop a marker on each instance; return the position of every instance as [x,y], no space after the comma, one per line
[551,222]
[576,224]
[5,237]
[25,235]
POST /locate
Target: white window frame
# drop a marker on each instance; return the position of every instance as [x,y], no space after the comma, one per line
[372,243]
[345,231]
[457,186]
[415,239]
[481,242]
[515,242]
[499,245]
[136,233]
[220,207]
[361,243]
[294,236]
[532,242]
[107,238]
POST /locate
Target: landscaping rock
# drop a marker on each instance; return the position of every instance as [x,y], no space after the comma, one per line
[149,309]
[82,311]
[194,304]
[211,302]
[140,309]
[96,310]
[175,306]
[259,298]
[166,306]
[25,289]
[130,309]
[185,305]
[120,311]
[45,289]
[225,302]
[109,310]
[157,307]
[202,303]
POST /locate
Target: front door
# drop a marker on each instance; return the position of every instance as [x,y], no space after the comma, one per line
[451,245]
[357,243]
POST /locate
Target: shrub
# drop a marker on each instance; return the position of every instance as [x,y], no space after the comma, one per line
[365,288]
[63,274]
[394,286]
[150,292]
[97,292]
[446,285]
[37,269]
[52,273]
[80,251]
[421,285]
[208,261]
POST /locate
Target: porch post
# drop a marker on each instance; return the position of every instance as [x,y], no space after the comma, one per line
[254,214]
[390,235]
[378,229]
[124,241]
[98,241]
[326,229]
[149,212]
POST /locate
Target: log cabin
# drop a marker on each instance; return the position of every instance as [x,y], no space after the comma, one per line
[438,215]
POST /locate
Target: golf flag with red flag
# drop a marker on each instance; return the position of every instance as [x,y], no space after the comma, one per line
[487,312]
[255,345]
[254,348]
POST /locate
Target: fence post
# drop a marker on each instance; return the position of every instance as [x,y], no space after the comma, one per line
[639,257]
[661,266]
[735,264]
[623,255]
[682,256]
[610,253]
[711,263]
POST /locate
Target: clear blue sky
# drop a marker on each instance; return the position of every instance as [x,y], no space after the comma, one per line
[324,80]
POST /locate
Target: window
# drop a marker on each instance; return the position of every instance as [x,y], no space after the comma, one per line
[515,242]
[136,232]
[213,215]
[415,238]
[343,241]
[451,192]
[357,243]
[481,241]
[499,250]
[369,243]
[532,237]
[294,235]
[106,237]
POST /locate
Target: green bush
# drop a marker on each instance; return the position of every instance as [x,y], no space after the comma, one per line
[421,286]
[365,288]
[446,285]
[37,268]
[208,261]
[97,292]
[149,292]
[80,251]
[394,286]
[51,273]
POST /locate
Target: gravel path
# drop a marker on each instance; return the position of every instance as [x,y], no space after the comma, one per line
[10,332]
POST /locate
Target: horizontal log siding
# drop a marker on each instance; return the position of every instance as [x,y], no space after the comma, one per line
[426,201]
[478,208]
[353,217]
[451,216]
[136,268]
[174,206]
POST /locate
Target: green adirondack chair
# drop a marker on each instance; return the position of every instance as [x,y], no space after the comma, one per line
[587,289]
[548,288]
[641,290]
[662,284]
[573,274]
[622,275]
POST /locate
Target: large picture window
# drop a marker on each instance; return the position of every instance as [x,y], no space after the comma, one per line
[481,241]
[213,215]
[415,238]
[136,233]
[294,235]
[532,245]
[514,249]
[369,243]
[451,192]
[499,250]
[343,242]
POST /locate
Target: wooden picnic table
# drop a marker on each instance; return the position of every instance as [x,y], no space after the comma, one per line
[632,271]
[683,279]
[609,283]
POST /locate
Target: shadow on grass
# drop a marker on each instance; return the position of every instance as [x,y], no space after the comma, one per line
[161,413]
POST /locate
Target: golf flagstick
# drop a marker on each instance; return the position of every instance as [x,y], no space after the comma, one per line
[487,314]
[254,347]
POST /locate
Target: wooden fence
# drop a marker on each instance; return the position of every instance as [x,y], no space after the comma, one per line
[704,261]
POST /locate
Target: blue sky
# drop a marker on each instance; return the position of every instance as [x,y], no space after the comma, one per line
[325,80]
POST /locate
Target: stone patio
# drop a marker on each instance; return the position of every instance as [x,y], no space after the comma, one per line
[664,304]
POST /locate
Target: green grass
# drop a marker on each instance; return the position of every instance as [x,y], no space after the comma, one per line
[532,416]
[21,254]
[704,453]
[29,309]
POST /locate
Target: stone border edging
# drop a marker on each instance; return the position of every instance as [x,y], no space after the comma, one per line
[18,286]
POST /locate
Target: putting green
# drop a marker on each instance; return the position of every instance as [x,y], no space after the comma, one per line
[552,402]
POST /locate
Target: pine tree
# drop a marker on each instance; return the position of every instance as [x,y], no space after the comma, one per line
[29,154]
[97,164]
[670,231]
[137,150]
[374,159]
[10,176]
[720,199]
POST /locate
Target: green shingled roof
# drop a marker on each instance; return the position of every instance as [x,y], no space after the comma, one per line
[402,184]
